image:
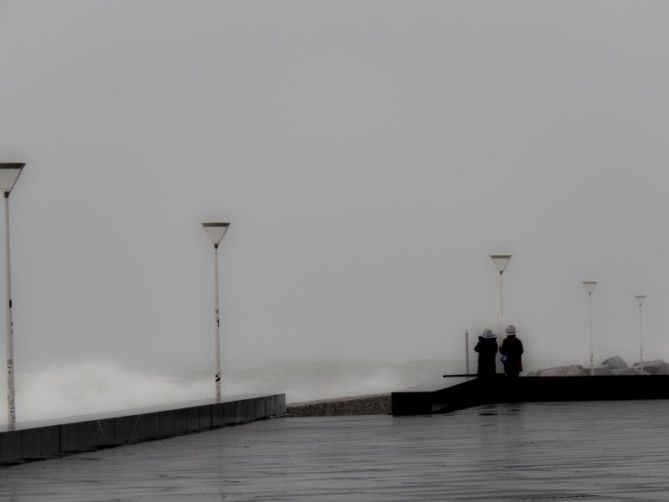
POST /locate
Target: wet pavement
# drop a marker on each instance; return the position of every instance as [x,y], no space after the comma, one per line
[611,450]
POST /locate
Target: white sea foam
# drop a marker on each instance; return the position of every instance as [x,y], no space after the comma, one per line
[96,386]
[93,387]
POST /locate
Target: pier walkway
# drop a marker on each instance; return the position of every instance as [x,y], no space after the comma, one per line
[586,451]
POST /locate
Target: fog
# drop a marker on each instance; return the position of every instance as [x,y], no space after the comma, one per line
[369,155]
[97,386]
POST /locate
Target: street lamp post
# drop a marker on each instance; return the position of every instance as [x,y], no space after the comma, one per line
[639,300]
[216,231]
[467,352]
[589,288]
[9,173]
[500,261]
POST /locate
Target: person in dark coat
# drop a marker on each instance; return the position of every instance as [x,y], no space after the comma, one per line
[487,349]
[512,352]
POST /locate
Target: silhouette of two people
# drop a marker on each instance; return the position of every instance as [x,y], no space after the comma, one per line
[511,350]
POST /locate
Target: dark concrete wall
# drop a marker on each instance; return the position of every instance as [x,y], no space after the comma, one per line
[47,441]
[499,389]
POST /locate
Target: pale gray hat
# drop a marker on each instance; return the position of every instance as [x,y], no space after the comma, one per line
[487,333]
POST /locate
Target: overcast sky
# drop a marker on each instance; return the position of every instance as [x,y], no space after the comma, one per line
[370,156]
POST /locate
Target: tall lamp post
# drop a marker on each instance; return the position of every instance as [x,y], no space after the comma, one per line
[216,231]
[589,288]
[500,261]
[9,173]
[639,300]
[467,352]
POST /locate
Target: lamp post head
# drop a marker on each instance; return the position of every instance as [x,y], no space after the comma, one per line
[215,231]
[589,286]
[9,173]
[639,299]
[500,261]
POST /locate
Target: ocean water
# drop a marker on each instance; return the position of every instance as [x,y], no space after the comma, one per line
[96,386]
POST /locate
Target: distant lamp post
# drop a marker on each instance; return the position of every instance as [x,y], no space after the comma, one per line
[589,288]
[467,352]
[500,261]
[216,231]
[9,173]
[639,300]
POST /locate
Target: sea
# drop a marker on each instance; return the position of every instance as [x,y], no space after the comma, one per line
[100,386]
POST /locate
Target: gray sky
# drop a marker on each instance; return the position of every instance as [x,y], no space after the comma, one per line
[370,156]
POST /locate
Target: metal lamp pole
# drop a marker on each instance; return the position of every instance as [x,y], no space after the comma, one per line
[9,173]
[467,352]
[639,300]
[500,261]
[589,288]
[216,231]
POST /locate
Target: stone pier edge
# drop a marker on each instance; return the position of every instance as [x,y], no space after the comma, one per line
[56,440]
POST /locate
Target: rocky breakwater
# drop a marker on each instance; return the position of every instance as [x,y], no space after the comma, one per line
[375,404]
[611,366]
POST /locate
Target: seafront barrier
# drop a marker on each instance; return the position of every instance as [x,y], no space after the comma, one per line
[42,440]
[458,393]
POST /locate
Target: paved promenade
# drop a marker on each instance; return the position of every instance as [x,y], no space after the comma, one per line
[516,452]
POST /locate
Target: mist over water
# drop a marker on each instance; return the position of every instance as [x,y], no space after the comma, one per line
[97,386]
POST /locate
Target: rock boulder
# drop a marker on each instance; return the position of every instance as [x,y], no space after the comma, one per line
[657,367]
[615,362]
[572,370]
[600,370]
[628,371]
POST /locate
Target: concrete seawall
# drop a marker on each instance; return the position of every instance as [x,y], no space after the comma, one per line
[454,394]
[42,440]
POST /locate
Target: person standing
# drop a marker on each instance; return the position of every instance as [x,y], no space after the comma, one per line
[487,349]
[512,352]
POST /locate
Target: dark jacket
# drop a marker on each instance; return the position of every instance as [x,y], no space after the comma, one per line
[487,349]
[512,350]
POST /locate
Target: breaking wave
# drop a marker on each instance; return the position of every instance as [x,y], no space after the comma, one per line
[96,387]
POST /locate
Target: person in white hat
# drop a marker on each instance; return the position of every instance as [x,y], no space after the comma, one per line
[512,353]
[487,349]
